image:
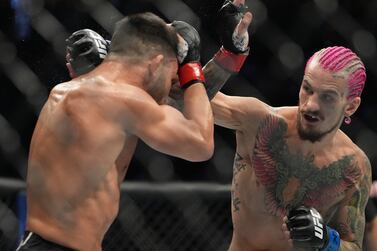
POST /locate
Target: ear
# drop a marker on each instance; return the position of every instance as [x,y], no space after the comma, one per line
[155,63]
[352,106]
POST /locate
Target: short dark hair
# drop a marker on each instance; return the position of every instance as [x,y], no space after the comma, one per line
[143,34]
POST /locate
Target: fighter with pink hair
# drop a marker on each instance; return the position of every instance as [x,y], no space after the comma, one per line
[299,182]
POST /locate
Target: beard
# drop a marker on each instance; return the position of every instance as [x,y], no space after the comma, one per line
[312,135]
[156,88]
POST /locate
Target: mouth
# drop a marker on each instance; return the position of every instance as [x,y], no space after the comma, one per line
[311,119]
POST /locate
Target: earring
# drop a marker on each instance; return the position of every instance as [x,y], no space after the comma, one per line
[347,120]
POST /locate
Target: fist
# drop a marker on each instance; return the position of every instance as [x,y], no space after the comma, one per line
[192,39]
[232,24]
[85,50]
[306,228]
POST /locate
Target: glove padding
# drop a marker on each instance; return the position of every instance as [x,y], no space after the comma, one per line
[85,50]
[190,70]
[192,38]
[307,230]
[228,18]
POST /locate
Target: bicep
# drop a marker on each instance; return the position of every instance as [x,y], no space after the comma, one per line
[165,129]
[232,112]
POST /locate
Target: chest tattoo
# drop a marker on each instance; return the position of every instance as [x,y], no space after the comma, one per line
[293,179]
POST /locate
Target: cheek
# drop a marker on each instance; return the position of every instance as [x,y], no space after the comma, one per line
[332,113]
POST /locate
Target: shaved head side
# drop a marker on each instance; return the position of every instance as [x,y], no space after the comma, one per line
[340,59]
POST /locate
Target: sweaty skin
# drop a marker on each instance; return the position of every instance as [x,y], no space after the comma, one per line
[85,137]
[275,170]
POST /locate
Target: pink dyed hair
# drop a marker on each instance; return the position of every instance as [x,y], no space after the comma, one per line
[337,59]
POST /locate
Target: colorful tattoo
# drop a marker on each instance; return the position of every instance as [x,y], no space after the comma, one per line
[292,179]
[342,229]
[355,222]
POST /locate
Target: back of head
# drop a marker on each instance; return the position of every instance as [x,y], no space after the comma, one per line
[143,34]
[340,59]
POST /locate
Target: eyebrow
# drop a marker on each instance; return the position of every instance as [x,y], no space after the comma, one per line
[327,91]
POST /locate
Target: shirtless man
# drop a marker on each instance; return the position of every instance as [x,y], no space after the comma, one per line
[299,183]
[89,127]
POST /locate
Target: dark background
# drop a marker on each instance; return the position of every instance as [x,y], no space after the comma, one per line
[284,34]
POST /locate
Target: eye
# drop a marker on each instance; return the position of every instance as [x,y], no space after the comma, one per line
[327,98]
[306,88]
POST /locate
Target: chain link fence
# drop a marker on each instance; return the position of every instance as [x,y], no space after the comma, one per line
[152,216]
[172,217]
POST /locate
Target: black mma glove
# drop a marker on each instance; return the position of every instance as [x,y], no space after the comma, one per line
[190,70]
[308,231]
[85,50]
[235,47]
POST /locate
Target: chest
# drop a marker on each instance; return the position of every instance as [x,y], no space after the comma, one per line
[289,178]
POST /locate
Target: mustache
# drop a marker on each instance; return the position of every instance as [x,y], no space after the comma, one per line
[312,113]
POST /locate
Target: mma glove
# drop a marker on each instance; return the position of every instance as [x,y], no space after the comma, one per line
[308,231]
[86,49]
[234,51]
[190,70]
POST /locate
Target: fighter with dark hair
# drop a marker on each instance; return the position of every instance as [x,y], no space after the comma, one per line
[89,127]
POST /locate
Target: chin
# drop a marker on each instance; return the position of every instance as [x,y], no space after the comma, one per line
[309,132]
[311,136]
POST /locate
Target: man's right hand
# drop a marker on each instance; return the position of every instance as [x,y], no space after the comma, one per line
[190,69]
[306,229]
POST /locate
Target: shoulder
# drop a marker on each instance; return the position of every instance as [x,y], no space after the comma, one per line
[365,165]
[352,148]
[361,159]
[277,119]
[256,113]
[103,91]
[105,98]
[284,115]
[287,113]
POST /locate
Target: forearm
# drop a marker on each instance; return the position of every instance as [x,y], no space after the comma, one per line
[198,109]
[216,77]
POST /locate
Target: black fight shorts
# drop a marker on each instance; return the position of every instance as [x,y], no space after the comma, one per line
[33,242]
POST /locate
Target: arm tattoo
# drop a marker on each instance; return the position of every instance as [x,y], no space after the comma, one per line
[355,216]
[236,202]
[216,77]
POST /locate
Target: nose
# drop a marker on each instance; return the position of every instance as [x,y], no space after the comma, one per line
[312,103]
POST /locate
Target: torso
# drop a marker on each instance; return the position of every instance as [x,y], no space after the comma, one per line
[78,159]
[271,175]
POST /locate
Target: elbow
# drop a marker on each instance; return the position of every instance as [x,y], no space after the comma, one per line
[203,151]
[207,152]
[209,149]
[207,146]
